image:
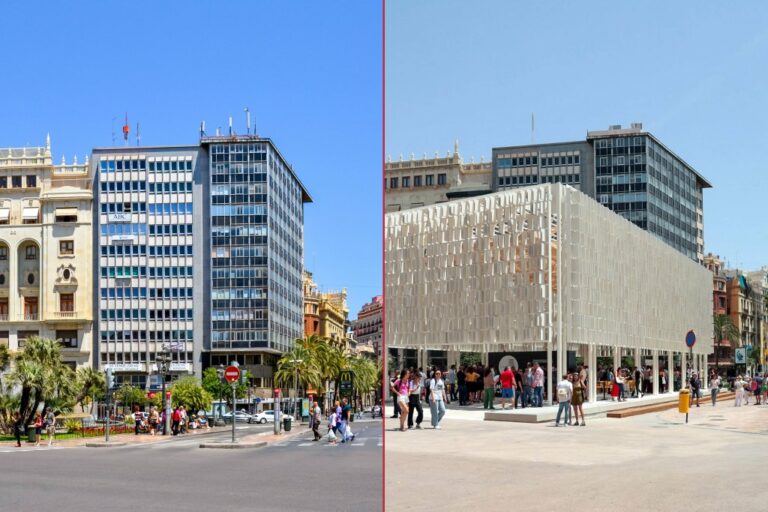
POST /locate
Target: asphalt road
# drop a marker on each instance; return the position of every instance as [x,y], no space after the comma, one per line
[296,474]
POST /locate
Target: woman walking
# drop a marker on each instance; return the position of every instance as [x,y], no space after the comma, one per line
[400,388]
[414,400]
[50,425]
[620,383]
[714,387]
[579,395]
[38,428]
[437,399]
[316,421]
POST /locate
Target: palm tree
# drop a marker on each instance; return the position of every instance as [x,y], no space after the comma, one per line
[724,330]
[89,381]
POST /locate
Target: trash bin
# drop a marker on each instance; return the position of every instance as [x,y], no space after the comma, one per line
[683,401]
[31,437]
[287,423]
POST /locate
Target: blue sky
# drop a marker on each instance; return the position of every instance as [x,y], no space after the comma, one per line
[694,73]
[310,73]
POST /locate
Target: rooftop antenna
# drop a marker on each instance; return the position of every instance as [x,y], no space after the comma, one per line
[114,118]
[218,131]
[126,129]
[138,134]
[533,129]
[247,121]
[202,129]
[230,126]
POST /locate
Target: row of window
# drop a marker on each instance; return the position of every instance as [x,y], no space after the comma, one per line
[122,165]
[168,208]
[170,229]
[123,186]
[172,250]
[120,272]
[233,210]
[29,181]
[123,229]
[521,161]
[141,314]
[123,207]
[429,181]
[506,181]
[184,335]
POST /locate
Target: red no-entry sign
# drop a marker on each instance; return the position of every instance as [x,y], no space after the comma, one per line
[232,373]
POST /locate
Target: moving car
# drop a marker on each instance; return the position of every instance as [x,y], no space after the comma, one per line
[263,417]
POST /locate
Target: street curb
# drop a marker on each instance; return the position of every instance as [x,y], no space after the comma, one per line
[233,446]
[104,444]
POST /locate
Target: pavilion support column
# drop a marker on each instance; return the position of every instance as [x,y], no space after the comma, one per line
[670,371]
[592,373]
[616,358]
[400,363]
[453,358]
[683,369]
[655,372]
[549,373]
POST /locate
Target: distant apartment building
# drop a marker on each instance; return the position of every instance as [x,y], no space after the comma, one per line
[368,326]
[45,252]
[422,182]
[325,313]
[200,253]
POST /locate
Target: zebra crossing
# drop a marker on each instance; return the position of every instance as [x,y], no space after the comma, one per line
[307,442]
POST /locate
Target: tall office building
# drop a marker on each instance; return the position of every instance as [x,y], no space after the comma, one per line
[256,252]
[149,259]
[625,169]
[45,252]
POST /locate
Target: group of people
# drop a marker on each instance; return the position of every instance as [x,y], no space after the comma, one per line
[339,422]
[571,394]
[43,422]
[154,421]
[410,388]
[745,387]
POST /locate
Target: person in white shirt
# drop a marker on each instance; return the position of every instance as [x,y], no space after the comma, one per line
[450,380]
[738,386]
[564,394]
[437,399]
[714,387]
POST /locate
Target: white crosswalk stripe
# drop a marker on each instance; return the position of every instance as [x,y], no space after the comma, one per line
[304,443]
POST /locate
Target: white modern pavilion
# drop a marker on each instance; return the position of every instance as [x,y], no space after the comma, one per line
[542,268]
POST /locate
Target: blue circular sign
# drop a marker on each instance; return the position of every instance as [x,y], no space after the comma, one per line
[258,400]
[690,339]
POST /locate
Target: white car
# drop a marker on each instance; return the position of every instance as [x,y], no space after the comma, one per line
[263,417]
[240,416]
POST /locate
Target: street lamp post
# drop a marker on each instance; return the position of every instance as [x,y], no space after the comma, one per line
[163,365]
[220,372]
[296,363]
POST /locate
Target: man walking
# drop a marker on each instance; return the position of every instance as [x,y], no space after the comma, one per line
[528,386]
[450,380]
[695,385]
[538,385]
[461,379]
[564,394]
[394,398]
[507,379]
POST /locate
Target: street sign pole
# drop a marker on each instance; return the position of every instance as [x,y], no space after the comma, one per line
[232,374]
[234,397]
[276,426]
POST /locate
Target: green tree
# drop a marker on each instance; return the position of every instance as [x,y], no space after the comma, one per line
[218,387]
[188,392]
[470,358]
[129,396]
[724,330]
[91,383]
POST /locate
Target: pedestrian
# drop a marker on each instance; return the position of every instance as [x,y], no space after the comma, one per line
[395,405]
[538,385]
[564,393]
[400,388]
[508,384]
[184,421]
[757,388]
[471,386]
[176,419]
[489,389]
[38,428]
[50,425]
[437,399]
[18,427]
[714,387]
[695,385]
[450,380]
[316,421]
[738,388]
[346,413]
[528,386]
[747,390]
[638,377]
[333,426]
[461,381]
[153,419]
[578,398]
[619,382]
[414,400]
[136,420]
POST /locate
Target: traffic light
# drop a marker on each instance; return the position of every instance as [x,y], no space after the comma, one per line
[243,378]
[110,379]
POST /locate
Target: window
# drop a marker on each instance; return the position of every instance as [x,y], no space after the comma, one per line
[16,181]
[67,339]
[441,179]
[406,181]
[31,252]
[126,207]
[3,182]
[23,335]
[31,181]
[417,181]
[31,278]
[2,280]
[430,180]
[68,214]
[66,247]
[3,253]
[67,302]
[393,182]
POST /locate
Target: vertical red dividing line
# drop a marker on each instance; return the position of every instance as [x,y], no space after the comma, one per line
[384,350]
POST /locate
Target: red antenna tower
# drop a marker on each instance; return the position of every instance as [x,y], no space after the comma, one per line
[126,129]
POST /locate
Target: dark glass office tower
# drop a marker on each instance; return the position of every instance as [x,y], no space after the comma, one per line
[256,253]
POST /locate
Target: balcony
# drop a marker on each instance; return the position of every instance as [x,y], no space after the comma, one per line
[3,317]
[30,316]
[65,314]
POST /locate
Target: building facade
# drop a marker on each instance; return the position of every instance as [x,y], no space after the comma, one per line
[626,170]
[326,314]
[368,326]
[256,225]
[45,252]
[414,183]
[149,262]
[515,271]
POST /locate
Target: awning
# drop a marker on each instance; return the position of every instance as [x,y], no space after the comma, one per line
[66,212]
[29,213]
[4,213]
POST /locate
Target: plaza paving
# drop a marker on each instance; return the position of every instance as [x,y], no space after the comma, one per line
[655,460]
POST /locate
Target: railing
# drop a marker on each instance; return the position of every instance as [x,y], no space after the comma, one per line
[3,317]
[30,316]
[65,314]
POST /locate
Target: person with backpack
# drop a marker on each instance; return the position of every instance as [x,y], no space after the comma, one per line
[176,421]
[50,425]
[757,388]
[695,384]
[564,394]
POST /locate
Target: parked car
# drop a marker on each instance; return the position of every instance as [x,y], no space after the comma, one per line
[263,417]
[240,416]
